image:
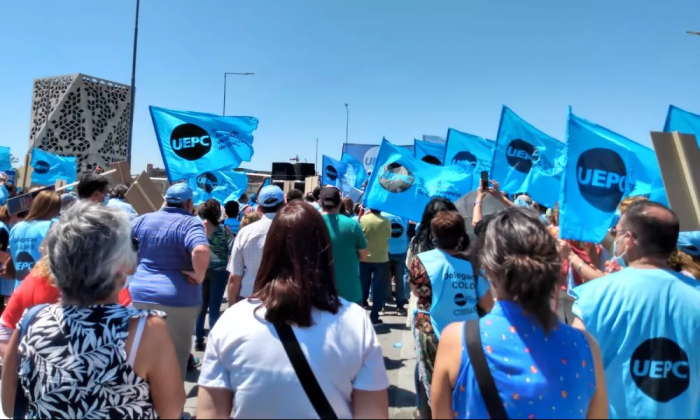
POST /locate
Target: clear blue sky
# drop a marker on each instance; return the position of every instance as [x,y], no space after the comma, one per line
[406,67]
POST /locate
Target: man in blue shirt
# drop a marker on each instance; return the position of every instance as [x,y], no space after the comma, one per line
[646,319]
[173,259]
[398,247]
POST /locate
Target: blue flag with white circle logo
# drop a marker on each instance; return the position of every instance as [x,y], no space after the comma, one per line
[223,186]
[193,143]
[334,172]
[429,152]
[543,182]
[470,151]
[49,168]
[602,168]
[358,168]
[403,185]
[516,144]
[682,121]
[5,159]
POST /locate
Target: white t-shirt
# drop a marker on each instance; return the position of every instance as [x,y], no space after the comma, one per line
[244,355]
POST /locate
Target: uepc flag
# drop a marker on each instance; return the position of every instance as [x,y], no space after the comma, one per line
[429,152]
[543,183]
[193,143]
[358,168]
[49,168]
[602,167]
[516,145]
[5,159]
[334,172]
[403,185]
[223,186]
[470,151]
[682,121]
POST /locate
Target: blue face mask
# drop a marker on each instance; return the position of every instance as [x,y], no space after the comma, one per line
[619,259]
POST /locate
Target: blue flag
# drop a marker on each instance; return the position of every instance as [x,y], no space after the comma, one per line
[193,143]
[5,159]
[49,168]
[602,168]
[223,186]
[472,152]
[403,185]
[334,172]
[543,183]
[516,145]
[682,121]
[358,168]
[429,152]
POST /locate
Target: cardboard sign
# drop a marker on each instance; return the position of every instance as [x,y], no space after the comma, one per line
[144,196]
[24,202]
[678,157]
[60,183]
[122,174]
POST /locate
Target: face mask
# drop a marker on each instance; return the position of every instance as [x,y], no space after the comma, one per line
[618,259]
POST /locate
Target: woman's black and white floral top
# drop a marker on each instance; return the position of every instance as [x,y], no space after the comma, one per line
[73,364]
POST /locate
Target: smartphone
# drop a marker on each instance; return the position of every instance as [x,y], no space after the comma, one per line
[484,180]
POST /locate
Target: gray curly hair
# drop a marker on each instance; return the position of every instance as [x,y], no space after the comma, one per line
[85,249]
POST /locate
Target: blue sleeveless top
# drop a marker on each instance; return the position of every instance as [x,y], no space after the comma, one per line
[537,375]
[456,290]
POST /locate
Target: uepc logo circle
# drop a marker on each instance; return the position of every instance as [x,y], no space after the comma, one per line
[396,178]
[465,159]
[24,264]
[396,230]
[660,368]
[602,178]
[190,141]
[207,181]
[460,299]
[41,167]
[331,173]
[519,155]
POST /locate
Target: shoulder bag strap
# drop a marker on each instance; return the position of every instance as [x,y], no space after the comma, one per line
[304,373]
[482,372]
[21,401]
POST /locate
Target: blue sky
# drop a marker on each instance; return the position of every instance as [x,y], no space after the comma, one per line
[406,68]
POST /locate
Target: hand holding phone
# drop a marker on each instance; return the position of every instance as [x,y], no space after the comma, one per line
[484,180]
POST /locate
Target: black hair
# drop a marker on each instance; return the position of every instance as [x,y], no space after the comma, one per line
[210,211]
[243,197]
[423,241]
[232,208]
[119,191]
[522,258]
[177,205]
[274,209]
[294,195]
[89,183]
[309,198]
[656,233]
[316,193]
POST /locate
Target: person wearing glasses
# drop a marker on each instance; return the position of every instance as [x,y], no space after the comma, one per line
[646,318]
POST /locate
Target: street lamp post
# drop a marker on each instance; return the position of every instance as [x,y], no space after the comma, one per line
[347,122]
[133,84]
[225,79]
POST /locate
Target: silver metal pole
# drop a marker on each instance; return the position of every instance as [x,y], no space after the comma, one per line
[133,85]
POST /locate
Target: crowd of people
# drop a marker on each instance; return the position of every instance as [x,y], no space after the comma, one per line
[105,306]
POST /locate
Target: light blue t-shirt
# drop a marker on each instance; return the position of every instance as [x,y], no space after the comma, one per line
[647,322]
[233,224]
[25,246]
[123,205]
[398,242]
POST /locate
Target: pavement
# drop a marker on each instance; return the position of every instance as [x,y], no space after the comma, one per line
[399,357]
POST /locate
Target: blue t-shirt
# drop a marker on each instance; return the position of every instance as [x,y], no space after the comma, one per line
[166,240]
[537,375]
[233,224]
[647,322]
[123,205]
[25,246]
[398,242]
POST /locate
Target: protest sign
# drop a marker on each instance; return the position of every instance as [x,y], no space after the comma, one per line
[23,202]
[143,195]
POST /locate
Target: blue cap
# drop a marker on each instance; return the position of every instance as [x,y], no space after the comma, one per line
[178,193]
[270,196]
[689,242]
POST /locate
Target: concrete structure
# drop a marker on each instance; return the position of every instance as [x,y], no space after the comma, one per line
[82,116]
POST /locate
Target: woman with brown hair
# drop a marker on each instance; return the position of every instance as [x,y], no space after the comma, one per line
[27,236]
[519,361]
[247,369]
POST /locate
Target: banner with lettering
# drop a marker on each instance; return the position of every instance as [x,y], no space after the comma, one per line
[223,186]
[470,151]
[49,168]
[403,185]
[602,168]
[682,121]
[516,144]
[193,143]
[366,153]
[433,153]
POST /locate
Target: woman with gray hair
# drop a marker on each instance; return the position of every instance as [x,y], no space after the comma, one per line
[89,357]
